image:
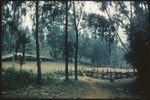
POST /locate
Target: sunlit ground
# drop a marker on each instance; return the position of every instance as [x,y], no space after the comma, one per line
[58,66]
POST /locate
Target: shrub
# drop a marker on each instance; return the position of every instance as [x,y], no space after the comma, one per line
[12,78]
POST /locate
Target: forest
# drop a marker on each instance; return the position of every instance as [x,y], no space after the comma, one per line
[75,49]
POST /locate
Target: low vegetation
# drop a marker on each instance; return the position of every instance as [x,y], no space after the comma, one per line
[54,85]
[23,84]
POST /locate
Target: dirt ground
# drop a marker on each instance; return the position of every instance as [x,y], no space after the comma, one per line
[85,88]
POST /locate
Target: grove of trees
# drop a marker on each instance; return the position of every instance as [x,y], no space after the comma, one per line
[64,30]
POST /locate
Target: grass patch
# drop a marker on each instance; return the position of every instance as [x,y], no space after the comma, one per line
[16,85]
[12,79]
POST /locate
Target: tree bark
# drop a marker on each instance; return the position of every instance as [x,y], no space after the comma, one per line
[37,46]
[14,19]
[109,47]
[76,52]
[131,31]
[1,39]
[66,43]
[23,53]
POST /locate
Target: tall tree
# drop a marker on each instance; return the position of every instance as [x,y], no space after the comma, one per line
[138,36]
[66,43]
[76,52]
[37,45]
[1,38]
[140,45]
[14,23]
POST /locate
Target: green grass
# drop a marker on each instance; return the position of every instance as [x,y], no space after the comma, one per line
[13,79]
[25,84]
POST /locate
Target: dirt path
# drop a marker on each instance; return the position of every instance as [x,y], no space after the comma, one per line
[92,90]
[97,88]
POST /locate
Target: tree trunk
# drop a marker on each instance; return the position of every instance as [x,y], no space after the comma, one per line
[76,52]
[37,46]
[66,43]
[131,32]
[14,19]
[14,55]
[109,47]
[23,54]
[1,39]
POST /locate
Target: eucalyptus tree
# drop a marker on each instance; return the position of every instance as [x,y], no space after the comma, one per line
[139,38]
[102,28]
[66,42]
[57,13]
[12,11]
[77,15]
[6,35]
[137,32]
[53,23]
[1,35]
[37,44]
[14,23]
[115,20]
[76,29]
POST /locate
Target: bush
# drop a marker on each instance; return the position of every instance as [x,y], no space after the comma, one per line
[12,78]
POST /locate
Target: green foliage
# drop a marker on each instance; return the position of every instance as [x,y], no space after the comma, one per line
[51,30]
[12,78]
[22,42]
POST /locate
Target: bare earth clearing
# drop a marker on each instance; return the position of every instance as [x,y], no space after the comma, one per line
[86,87]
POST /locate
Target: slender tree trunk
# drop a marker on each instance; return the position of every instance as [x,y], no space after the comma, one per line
[109,47]
[131,32]
[14,54]
[37,46]
[76,52]
[1,39]
[23,54]
[66,43]
[14,19]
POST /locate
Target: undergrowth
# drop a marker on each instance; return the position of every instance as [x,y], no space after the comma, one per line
[14,79]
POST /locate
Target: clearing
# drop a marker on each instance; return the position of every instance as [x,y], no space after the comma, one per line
[86,87]
[49,66]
